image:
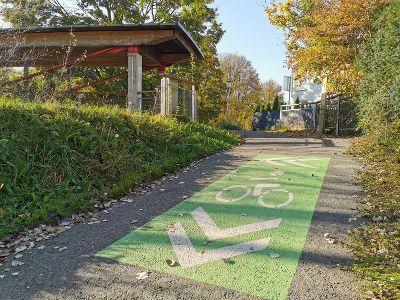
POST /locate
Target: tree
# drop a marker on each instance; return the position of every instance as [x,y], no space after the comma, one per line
[198,17]
[276,104]
[245,88]
[323,37]
[271,90]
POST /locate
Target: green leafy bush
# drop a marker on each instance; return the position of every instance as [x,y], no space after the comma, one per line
[379,64]
[56,160]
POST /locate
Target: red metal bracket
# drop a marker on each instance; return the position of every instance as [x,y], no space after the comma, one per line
[133,49]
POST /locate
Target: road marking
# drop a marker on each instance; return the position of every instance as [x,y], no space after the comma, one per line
[213,232]
[284,162]
[234,218]
[189,257]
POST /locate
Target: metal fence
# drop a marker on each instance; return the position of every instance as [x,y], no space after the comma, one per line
[340,115]
[179,100]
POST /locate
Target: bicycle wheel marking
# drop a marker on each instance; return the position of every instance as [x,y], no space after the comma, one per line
[264,207]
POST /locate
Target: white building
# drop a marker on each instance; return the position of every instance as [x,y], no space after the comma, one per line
[304,89]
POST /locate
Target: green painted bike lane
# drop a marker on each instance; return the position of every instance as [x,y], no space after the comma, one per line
[231,233]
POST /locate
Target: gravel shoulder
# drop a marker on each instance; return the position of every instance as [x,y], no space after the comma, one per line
[75,273]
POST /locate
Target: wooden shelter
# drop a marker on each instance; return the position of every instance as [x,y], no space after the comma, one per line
[139,47]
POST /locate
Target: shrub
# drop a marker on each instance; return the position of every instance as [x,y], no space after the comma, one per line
[56,160]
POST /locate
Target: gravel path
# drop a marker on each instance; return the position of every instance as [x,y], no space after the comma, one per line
[75,273]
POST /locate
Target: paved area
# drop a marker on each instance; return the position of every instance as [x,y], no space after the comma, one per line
[77,273]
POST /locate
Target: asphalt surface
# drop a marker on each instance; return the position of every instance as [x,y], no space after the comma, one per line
[75,273]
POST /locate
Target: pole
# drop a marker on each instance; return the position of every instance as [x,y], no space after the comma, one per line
[322,111]
[228,94]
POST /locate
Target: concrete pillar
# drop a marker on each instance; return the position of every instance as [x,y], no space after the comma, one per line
[194,103]
[164,96]
[135,69]
[173,94]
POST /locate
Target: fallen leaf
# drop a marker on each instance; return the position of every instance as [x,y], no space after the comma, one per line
[171,262]
[62,249]
[227,260]
[15,274]
[142,275]
[20,249]
[331,241]
[41,247]
[16,263]
[327,235]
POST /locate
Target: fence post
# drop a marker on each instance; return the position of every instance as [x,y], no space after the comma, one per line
[338,115]
[322,111]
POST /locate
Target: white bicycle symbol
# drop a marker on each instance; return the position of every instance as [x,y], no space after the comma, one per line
[258,192]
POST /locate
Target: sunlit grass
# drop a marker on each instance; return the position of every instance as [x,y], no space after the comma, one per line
[56,160]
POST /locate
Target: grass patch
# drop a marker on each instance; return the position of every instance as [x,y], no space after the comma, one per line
[376,245]
[56,160]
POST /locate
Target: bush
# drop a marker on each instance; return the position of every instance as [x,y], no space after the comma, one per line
[379,64]
[57,160]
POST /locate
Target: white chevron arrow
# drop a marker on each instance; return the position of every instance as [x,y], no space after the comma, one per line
[285,162]
[189,257]
[213,232]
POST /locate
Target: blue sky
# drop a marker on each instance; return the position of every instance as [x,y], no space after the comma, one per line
[249,33]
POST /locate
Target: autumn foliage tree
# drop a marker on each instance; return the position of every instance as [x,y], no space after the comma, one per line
[323,37]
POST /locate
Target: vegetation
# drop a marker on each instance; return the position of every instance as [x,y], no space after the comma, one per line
[197,16]
[57,159]
[356,44]
[323,37]
[376,245]
[247,93]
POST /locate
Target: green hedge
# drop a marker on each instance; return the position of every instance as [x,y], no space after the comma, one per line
[56,160]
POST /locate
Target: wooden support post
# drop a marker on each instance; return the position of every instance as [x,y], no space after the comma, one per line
[26,81]
[135,68]
[322,112]
[194,103]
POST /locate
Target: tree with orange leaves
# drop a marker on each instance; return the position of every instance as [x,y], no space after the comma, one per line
[323,37]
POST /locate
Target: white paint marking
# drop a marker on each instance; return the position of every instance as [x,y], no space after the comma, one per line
[277,173]
[189,257]
[288,201]
[285,162]
[219,198]
[258,188]
[213,232]
[263,179]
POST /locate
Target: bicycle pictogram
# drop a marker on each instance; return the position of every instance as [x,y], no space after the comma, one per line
[261,191]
